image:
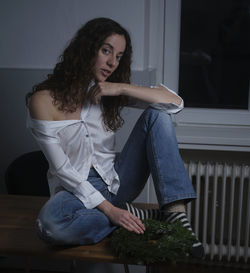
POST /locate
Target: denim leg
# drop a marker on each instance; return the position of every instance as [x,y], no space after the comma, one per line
[152,148]
[64,220]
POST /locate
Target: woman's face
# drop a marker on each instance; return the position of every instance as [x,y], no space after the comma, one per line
[108,57]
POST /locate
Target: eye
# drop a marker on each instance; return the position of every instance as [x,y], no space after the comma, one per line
[105,51]
[119,58]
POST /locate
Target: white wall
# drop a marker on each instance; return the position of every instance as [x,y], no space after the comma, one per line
[34,32]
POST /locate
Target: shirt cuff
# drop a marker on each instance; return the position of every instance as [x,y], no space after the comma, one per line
[92,200]
[170,108]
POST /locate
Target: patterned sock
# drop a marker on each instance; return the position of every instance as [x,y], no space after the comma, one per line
[144,214]
[197,249]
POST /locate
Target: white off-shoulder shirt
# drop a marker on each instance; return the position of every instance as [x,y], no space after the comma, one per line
[73,146]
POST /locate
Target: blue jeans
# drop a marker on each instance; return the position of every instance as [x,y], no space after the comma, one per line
[151,148]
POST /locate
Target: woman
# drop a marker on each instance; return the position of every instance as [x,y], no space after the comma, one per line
[74,114]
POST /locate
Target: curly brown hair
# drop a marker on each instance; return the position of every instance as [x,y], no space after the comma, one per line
[70,79]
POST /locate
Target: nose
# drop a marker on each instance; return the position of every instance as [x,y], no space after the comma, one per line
[111,61]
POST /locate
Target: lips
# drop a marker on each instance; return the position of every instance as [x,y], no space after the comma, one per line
[106,73]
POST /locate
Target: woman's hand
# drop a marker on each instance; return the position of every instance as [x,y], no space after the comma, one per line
[158,94]
[122,217]
[104,89]
[126,219]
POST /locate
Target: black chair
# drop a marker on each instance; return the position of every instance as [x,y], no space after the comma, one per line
[27,175]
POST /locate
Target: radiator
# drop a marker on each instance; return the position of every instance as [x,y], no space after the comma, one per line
[221,214]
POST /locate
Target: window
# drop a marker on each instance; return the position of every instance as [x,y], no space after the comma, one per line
[209,120]
[215,53]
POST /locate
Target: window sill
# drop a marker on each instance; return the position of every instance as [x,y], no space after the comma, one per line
[212,137]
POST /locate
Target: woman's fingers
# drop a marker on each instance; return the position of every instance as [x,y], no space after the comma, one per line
[136,228]
[122,217]
[138,224]
[132,223]
[103,89]
[126,220]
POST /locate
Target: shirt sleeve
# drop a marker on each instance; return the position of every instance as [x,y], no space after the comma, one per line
[170,108]
[60,166]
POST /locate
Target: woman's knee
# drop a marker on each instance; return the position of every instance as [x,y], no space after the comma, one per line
[85,227]
[55,215]
[159,119]
[157,114]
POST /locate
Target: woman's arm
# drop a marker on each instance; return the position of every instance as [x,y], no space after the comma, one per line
[45,131]
[72,181]
[158,94]
[42,110]
[122,217]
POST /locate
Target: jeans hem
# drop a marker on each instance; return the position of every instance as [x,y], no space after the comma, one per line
[185,197]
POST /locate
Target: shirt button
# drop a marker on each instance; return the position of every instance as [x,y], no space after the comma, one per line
[87,135]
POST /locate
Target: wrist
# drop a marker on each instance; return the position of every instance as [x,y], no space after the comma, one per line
[105,207]
[124,89]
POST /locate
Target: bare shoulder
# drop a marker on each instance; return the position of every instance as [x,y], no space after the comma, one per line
[41,105]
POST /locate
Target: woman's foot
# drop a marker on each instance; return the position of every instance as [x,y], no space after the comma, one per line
[197,248]
[169,217]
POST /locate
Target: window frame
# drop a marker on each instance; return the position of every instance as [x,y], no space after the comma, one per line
[200,128]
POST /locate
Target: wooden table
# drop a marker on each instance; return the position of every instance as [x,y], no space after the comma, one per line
[18,235]
[18,238]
